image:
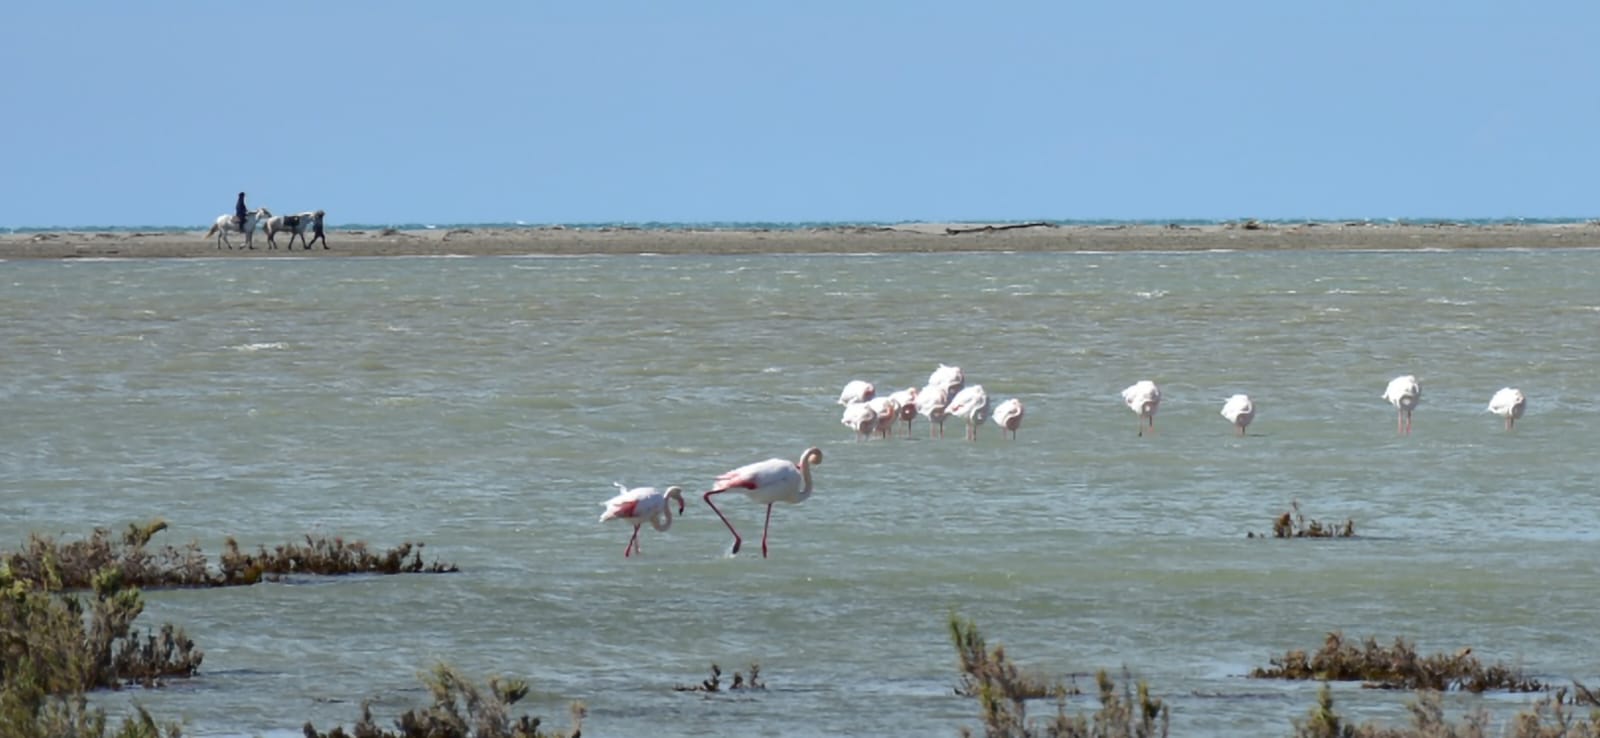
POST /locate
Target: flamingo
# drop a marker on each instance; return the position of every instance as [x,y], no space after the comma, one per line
[1008,415]
[1404,393]
[639,505]
[887,411]
[1508,403]
[857,391]
[949,377]
[770,481]
[1143,398]
[1239,410]
[931,402]
[906,403]
[971,404]
[861,418]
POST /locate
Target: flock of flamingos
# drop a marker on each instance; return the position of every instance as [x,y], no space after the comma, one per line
[945,395]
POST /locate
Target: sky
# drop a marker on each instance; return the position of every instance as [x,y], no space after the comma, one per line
[129,114]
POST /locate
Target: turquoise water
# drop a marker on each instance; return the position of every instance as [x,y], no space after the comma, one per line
[485,405]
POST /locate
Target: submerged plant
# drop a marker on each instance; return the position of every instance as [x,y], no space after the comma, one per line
[1293,524]
[74,564]
[1396,667]
[1003,691]
[714,683]
[460,709]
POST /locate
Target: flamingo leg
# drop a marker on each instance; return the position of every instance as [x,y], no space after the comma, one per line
[764,527]
[633,542]
[737,541]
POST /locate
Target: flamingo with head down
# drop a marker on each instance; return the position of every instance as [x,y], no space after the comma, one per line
[1143,398]
[641,505]
[771,481]
[1008,415]
[905,402]
[972,405]
[857,390]
[1508,403]
[1239,411]
[1405,393]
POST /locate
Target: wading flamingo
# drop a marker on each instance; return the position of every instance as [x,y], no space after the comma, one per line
[641,505]
[861,418]
[972,405]
[931,401]
[887,411]
[1239,411]
[1508,403]
[770,481]
[1008,415]
[1143,398]
[857,391]
[1404,393]
[906,403]
[950,378]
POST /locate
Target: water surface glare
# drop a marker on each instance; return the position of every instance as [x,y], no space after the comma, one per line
[485,405]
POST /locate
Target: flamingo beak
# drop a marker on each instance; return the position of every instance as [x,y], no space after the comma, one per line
[680,507]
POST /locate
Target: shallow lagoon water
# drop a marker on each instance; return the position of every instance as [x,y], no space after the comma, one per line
[484,406]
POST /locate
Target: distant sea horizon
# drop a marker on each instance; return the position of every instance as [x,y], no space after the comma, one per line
[815,224]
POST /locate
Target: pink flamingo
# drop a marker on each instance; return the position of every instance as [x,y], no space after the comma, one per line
[972,404]
[887,411]
[1008,415]
[1405,393]
[1143,397]
[857,390]
[861,418]
[640,505]
[931,402]
[1239,411]
[1508,403]
[906,401]
[770,481]
[949,377]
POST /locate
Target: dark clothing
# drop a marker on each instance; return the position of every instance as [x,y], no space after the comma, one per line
[240,211]
[316,230]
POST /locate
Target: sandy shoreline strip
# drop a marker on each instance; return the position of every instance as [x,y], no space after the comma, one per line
[907,238]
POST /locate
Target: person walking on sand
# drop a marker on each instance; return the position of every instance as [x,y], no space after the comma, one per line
[316,230]
[240,212]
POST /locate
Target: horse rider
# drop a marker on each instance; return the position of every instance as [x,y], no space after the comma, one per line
[240,212]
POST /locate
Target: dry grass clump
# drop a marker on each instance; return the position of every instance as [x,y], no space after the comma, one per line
[1293,524]
[1396,667]
[460,709]
[714,684]
[1003,691]
[74,564]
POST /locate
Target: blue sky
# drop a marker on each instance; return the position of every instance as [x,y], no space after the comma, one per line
[567,112]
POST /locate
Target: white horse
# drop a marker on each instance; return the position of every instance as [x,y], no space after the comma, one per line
[227,223]
[296,225]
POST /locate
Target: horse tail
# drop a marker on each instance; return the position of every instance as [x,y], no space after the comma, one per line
[212,232]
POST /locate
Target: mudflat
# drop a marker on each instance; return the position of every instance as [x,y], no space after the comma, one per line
[902,238]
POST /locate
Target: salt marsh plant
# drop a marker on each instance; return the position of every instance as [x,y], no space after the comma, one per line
[460,709]
[1003,691]
[714,683]
[1293,524]
[1396,667]
[72,565]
